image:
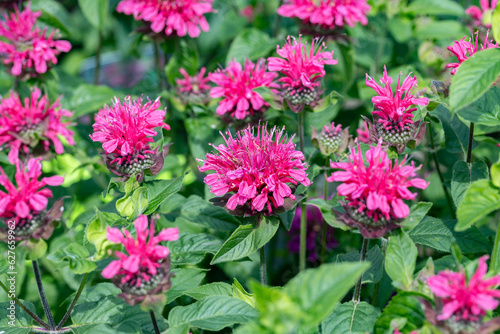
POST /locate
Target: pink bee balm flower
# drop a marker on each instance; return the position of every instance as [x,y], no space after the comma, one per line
[26,202]
[463,50]
[465,300]
[174,17]
[37,121]
[145,269]
[393,115]
[375,191]
[327,14]
[302,68]
[482,16]
[125,131]
[193,89]
[257,169]
[26,48]
[364,134]
[236,83]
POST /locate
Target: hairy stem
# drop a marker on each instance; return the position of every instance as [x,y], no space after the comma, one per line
[377,285]
[155,324]
[303,216]
[441,178]
[43,298]
[73,303]
[25,309]
[471,138]
[324,226]
[494,255]
[158,66]
[97,69]
[263,265]
[357,289]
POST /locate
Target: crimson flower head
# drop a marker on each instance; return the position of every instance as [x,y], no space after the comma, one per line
[144,270]
[126,131]
[393,115]
[235,85]
[38,121]
[257,169]
[302,68]
[174,17]
[193,89]
[27,49]
[26,202]
[482,16]
[464,49]
[375,191]
[465,300]
[326,14]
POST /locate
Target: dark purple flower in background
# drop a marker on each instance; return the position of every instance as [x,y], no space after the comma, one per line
[313,238]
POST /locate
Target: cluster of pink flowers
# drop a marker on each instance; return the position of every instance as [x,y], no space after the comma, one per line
[25,47]
[25,203]
[256,168]
[236,83]
[464,49]
[392,115]
[22,127]
[375,191]
[327,14]
[145,269]
[193,89]
[479,14]
[302,68]
[175,17]
[125,131]
[465,300]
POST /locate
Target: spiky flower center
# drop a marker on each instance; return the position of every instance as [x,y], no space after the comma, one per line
[395,133]
[139,286]
[30,132]
[331,141]
[195,97]
[459,326]
[363,218]
[27,226]
[135,163]
[301,96]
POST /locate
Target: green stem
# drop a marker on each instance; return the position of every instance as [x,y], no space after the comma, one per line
[43,298]
[155,324]
[78,293]
[377,285]
[97,69]
[277,21]
[436,162]
[263,265]
[494,255]
[471,138]
[357,289]
[303,216]
[21,305]
[324,227]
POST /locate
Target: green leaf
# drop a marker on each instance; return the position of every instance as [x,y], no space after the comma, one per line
[198,211]
[19,322]
[36,248]
[184,280]
[327,212]
[495,23]
[87,98]
[495,174]
[463,175]
[191,248]
[486,110]
[133,206]
[211,289]
[456,133]
[318,291]
[351,318]
[183,329]
[53,14]
[403,305]
[213,313]
[400,259]
[76,256]
[417,213]
[250,43]
[96,292]
[160,190]
[474,77]
[246,240]
[431,7]
[185,56]
[442,29]
[479,200]
[440,234]
[376,259]
[95,11]
[96,231]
